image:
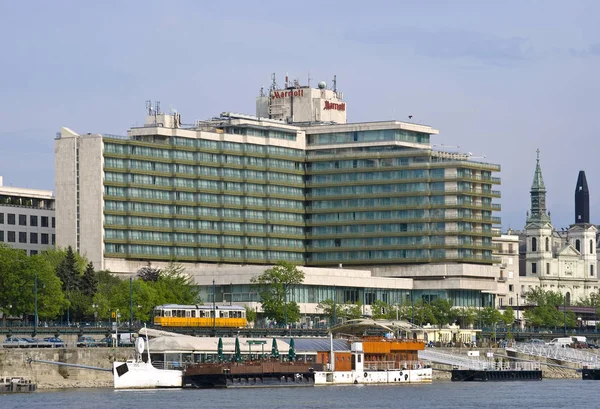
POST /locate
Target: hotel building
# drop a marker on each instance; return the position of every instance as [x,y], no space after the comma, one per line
[370,210]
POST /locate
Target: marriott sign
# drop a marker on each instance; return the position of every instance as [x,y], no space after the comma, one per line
[335,106]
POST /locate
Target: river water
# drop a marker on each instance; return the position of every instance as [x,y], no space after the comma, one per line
[547,394]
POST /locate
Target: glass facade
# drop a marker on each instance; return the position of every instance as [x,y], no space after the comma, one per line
[204,200]
[398,206]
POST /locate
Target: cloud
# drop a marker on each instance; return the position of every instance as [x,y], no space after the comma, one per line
[450,44]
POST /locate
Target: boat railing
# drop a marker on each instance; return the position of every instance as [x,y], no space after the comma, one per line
[391,365]
[169,365]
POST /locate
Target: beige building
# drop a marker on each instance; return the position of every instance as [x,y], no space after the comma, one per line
[26,218]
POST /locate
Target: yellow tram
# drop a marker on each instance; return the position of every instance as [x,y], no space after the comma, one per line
[175,315]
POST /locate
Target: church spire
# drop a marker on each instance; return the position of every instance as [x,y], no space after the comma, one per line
[538,196]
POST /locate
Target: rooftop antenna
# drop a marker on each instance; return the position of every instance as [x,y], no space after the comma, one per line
[286,80]
[262,91]
[156,107]
[273,82]
[149,107]
[309,79]
[335,83]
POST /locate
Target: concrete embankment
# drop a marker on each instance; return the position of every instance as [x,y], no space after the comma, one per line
[13,362]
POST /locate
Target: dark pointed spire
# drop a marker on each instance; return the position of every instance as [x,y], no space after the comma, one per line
[582,200]
[538,196]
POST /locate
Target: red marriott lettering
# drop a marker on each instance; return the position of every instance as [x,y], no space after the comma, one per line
[335,106]
[285,94]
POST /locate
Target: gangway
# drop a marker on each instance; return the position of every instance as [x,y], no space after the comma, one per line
[457,361]
[576,356]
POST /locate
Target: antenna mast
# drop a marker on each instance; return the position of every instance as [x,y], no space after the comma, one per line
[335,83]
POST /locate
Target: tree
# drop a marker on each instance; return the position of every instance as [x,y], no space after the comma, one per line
[17,280]
[274,286]
[174,286]
[68,272]
[250,314]
[441,309]
[149,273]
[89,281]
[332,310]
[382,310]
[508,316]
[546,313]
[354,311]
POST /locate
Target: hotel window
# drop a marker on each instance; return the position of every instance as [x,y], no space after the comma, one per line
[22,237]
[33,252]
[44,238]
[510,248]
[22,220]
[1,236]
[547,268]
[11,218]
[578,245]
[33,238]
[44,221]
[533,268]
[592,270]
[533,244]
[11,237]
[53,222]
[33,221]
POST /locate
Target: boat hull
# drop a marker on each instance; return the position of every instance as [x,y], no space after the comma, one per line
[471,375]
[423,375]
[141,375]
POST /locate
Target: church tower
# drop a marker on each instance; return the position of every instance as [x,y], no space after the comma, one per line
[538,230]
[582,234]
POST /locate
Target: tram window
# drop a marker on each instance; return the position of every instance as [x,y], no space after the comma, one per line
[194,314]
[167,313]
[222,314]
[187,314]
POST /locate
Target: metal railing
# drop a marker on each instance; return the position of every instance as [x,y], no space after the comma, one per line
[565,354]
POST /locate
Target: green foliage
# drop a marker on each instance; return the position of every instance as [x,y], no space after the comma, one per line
[250,314]
[69,273]
[508,316]
[489,316]
[274,287]
[17,278]
[148,273]
[172,286]
[89,281]
[442,311]
[546,313]
[354,311]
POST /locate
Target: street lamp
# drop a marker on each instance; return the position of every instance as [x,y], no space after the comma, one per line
[95,307]
[35,305]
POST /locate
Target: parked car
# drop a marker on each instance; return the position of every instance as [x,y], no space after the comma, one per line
[85,341]
[536,341]
[107,342]
[16,342]
[55,342]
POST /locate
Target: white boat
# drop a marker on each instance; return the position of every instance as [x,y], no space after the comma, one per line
[137,374]
[373,372]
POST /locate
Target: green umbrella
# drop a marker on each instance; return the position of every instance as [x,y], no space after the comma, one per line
[220,349]
[292,351]
[274,350]
[238,352]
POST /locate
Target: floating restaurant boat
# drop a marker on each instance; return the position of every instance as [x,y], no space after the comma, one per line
[377,359]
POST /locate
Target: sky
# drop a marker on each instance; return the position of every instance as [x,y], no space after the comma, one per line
[497,79]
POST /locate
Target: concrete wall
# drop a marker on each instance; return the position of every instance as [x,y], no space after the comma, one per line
[14,363]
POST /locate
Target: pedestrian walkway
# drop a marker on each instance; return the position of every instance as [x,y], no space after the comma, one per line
[576,356]
[457,361]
